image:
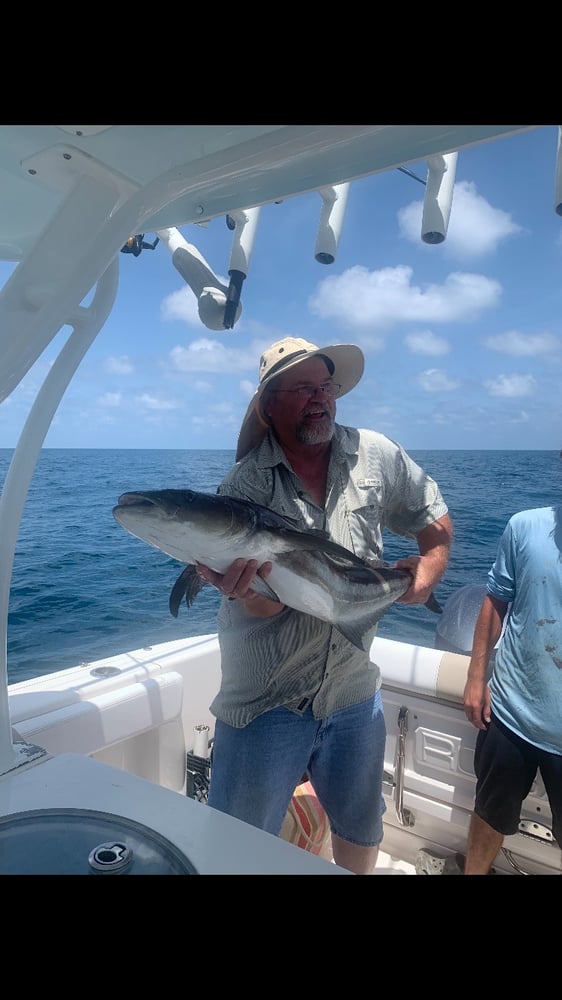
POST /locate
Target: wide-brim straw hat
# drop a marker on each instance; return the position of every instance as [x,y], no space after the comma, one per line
[347,362]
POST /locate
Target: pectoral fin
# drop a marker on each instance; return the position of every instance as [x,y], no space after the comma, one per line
[360,633]
[188,584]
[262,587]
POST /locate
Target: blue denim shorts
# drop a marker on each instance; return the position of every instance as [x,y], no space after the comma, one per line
[255,770]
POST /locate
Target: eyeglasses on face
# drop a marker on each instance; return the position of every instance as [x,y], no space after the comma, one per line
[331,389]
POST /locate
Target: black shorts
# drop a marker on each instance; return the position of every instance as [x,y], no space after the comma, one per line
[506,767]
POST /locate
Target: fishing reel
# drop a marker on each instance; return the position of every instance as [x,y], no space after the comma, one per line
[136,245]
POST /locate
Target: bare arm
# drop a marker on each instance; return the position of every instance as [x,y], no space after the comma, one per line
[486,634]
[434,543]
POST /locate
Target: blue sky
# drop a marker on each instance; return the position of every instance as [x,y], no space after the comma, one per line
[463,341]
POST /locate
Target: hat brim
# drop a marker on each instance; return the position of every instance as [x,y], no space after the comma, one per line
[349,364]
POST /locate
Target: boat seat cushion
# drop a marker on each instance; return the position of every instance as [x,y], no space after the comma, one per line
[87,726]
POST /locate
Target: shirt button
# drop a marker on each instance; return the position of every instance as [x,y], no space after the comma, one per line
[334,647]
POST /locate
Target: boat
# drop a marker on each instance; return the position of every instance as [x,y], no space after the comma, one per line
[104,766]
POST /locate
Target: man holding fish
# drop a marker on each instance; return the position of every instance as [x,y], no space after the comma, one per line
[296,695]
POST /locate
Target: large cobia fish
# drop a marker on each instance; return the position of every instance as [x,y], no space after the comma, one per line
[310,572]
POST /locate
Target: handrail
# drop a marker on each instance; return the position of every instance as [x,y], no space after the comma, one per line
[87,322]
[404,816]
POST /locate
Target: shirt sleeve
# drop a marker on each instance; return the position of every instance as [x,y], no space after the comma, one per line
[501,577]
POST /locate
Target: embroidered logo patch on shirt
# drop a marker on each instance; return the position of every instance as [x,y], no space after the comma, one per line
[366,484]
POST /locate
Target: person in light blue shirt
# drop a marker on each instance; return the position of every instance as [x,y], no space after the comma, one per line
[519,711]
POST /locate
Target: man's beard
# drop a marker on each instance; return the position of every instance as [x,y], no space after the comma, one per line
[317,433]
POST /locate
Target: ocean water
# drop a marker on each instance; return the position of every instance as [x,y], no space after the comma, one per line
[84,589]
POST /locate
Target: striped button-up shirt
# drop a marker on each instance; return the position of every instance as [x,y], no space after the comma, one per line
[292,658]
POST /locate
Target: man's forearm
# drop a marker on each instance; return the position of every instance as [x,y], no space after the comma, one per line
[487,631]
[434,544]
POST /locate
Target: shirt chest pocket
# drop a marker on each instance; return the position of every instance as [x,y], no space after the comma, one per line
[365,530]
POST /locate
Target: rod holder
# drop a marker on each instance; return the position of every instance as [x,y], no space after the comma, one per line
[334,203]
[441,170]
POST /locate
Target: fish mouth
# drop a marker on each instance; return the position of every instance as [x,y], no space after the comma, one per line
[130,499]
[144,502]
[166,501]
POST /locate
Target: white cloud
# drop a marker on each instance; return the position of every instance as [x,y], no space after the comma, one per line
[119,366]
[222,407]
[247,388]
[371,344]
[436,380]
[110,399]
[202,385]
[183,305]
[426,342]
[152,403]
[380,299]
[206,355]
[223,419]
[511,385]
[524,344]
[476,229]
